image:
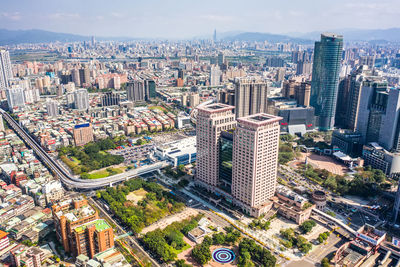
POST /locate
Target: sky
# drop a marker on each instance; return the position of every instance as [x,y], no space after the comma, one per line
[191,18]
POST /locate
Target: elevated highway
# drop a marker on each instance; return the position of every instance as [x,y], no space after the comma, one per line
[69,181]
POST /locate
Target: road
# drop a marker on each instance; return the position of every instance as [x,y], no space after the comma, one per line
[71,181]
[142,253]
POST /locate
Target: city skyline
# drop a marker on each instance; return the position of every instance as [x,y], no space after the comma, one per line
[177,19]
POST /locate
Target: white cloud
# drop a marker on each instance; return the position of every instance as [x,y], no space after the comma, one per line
[14,16]
[63,16]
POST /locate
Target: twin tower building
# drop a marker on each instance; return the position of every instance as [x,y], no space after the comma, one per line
[237,158]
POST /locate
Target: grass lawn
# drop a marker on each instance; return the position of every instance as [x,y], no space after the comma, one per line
[105,173]
[137,195]
[158,107]
[187,246]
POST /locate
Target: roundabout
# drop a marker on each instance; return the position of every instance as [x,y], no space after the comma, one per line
[223,255]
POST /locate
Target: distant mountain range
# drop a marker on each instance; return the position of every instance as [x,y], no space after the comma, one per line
[8,37]
[389,35]
[260,37]
[37,36]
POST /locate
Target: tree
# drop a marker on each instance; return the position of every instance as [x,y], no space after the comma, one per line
[218,239]
[325,262]
[307,226]
[201,253]
[139,142]
[182,263]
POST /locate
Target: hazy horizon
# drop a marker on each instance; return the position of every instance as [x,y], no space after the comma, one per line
[187,19]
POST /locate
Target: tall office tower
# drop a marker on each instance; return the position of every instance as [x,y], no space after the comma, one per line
[325,78]
[250,97]
[93,41]
[81,99]
[150,89]
[255,161]
[396,207]
[110,99]
[75,77]
[350,88]
[379,115]
[84,76]
[5,68]
[52,108]
[135,91]
[215,76]
[221,59]
[211,121]
[15,97]
[2,128]
[225,161]
[194,100]
[79,228]
[83,134]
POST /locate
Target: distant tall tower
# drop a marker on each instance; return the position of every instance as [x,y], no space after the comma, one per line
[5,68]
[93,41]
[325,78]
[215,36]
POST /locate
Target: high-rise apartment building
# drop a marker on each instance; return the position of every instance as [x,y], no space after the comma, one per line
[135,91]
[250,97]
[255,161]
[81,99]
[221,59]
[83,134]
[194,100]
[110,99]
[215,76]
[296,90]
[79,229]
[211,121]
[84,76]
[15,97]
[325,78]
[5,68]
[76,77]
[52,108]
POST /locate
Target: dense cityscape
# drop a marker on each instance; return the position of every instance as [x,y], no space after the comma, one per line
[248,150]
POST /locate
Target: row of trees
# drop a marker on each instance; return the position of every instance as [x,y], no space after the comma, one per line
[364,183]
[291,239]
[251,254]
[153,207]
[323,237]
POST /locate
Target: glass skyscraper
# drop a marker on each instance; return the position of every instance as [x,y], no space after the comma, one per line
[325,79]
[225,161]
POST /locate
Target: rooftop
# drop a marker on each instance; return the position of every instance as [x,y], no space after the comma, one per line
[99,224]
[259,119]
